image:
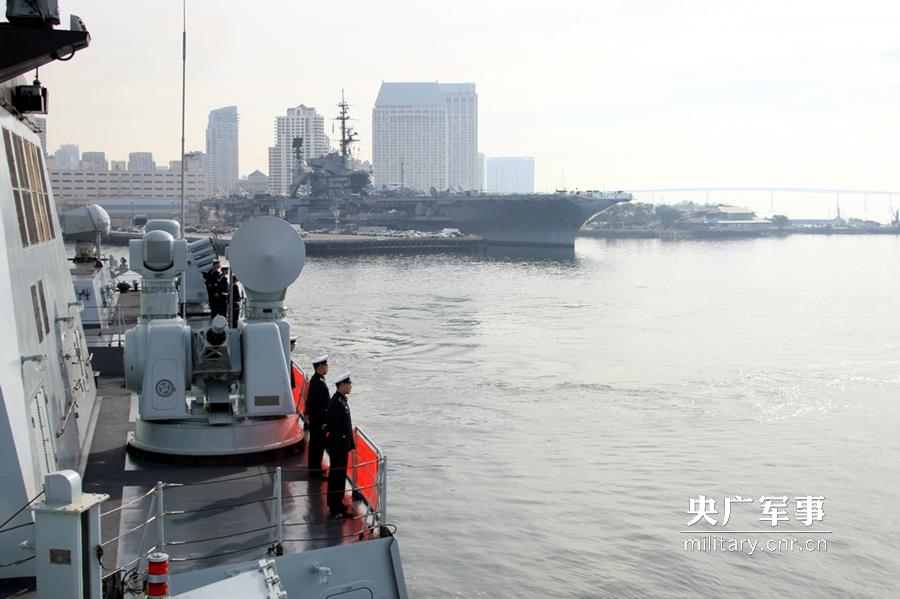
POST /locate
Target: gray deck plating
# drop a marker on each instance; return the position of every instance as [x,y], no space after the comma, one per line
[126,476]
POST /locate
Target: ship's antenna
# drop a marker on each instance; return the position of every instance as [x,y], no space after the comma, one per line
[348,135]
[183,81]
[182,161]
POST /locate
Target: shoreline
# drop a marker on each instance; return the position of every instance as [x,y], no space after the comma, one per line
[688,234]
[345,245]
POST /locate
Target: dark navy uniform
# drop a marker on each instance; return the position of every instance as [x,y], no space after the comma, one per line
[216,284]
[317,400]
[219,303]
[236,297]
[339,443]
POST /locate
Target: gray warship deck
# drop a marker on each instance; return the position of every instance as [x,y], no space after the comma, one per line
[223,513]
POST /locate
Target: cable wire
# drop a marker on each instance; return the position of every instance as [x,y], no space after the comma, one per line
[222,480]
[330,520]
[128,532]
[130,503]
[134,561]
[332,537]
[23,592]
[220,537]
[16,527]
[222,554]
[17,562]
[21,509]
[217,507]
[323,493]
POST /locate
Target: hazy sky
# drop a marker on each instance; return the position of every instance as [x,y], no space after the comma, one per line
[615,94]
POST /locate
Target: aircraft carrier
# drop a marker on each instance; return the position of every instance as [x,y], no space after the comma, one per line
[330,192]
[551,220]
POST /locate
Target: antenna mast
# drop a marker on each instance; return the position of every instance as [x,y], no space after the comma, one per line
[348,135]
[183,80]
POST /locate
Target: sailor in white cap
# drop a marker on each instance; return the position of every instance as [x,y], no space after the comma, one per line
[317,400]
[340,443]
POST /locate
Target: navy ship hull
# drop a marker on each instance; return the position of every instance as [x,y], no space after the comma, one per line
[538,220]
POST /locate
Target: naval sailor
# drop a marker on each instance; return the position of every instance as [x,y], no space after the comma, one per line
[317,400]
[214,288]
[339,442]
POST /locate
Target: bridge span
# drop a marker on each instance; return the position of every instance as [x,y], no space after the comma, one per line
[856,201]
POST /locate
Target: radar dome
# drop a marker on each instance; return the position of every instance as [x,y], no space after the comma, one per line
[267,254]
[159,250]
[84,223]
[172,227]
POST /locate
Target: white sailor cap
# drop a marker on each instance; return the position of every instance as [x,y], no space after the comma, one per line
[344,378]
[293,340]
[320,360]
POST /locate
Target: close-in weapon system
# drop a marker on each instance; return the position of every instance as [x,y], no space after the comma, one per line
[205,388]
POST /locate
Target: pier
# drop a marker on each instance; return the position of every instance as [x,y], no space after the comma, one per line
[348,245]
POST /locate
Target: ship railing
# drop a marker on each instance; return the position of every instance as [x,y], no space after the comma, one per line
[366,473]
[117,326]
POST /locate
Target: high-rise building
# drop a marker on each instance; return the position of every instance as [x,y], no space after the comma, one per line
[302,123]
[222,150]
[141,162]
[67,157]
[425,135]
[118,165]
[481,171]
[510,174]
[94,161]
[462,134]
[195,162]
[409,136]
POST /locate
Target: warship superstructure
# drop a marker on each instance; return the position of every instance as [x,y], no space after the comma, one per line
[186,476]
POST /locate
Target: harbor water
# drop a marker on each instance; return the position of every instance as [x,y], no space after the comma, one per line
[547,422]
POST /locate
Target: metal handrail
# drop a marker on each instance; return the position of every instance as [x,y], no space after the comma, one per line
[380,506]
[156,510]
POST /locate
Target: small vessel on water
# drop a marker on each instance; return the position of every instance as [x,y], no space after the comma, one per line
[184,477]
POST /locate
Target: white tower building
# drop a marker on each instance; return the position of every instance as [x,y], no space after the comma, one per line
[141,162]
[300,122]
[425,135]
[222,150]
[67,157]
[462,135]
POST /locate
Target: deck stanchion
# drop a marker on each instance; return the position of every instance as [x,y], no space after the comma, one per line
[382,493]
[146,528]
[279,532]
[161,514]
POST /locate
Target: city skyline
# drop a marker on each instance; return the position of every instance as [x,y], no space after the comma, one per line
[607,95]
